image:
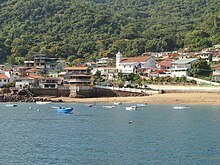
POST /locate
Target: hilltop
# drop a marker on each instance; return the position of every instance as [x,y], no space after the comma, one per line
[88,29]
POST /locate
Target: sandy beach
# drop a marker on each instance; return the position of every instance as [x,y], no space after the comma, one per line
[167,98]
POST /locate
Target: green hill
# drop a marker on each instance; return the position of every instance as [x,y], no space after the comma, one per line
[93,28]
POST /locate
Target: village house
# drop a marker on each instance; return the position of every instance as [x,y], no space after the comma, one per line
[216,58]
[103,61]
[216,74]
[77,70]
[3,79]
[31,81]
[77,76]
[107,72]
[7,76]
[42,63]
[181,67]
[49,82]
[143,64]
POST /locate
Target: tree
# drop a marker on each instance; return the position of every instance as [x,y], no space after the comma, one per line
[201,68]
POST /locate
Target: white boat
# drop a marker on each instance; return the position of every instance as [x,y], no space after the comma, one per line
[43,102]
[11,105]
[117,103]
[181,107]
[108,106]
[141,105]
[131,108]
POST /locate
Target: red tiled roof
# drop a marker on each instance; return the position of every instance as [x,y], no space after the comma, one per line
[135,59]
[4,77]
[216,68]
[75,68]
[165,63]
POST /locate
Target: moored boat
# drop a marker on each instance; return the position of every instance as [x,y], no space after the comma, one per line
[108,106]
[64,110]
[43,102]
[11,105]
[141,105]
[117,103]
[181,107]
[131,108]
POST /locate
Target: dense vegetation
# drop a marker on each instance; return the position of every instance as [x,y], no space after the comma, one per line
[89,29]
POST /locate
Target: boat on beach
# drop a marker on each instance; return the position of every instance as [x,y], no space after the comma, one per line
[181,107]
[11,105]
[131,108]
[64,110]
[43,102]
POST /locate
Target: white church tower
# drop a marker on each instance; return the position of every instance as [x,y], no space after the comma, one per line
[118,59]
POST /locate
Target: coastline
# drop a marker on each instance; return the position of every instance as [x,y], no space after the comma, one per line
[166,98]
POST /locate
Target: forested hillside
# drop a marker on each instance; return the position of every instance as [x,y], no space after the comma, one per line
[94,28]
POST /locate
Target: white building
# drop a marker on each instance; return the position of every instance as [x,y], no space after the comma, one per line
[181,67]
[132,64]
[3,79]
[104,61]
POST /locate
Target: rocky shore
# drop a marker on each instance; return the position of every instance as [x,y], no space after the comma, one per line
[19,98]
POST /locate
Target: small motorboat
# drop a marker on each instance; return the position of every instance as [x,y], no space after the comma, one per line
[131,108]
[181,107]
[64,110]
[108,106]
[11,105]
[117,103]
[43,102]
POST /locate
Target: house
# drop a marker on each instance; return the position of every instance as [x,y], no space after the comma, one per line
[216,58]
[103,61]
[28,63]
[3,79]
[78,80]
[25,81]
[182,67]
[31,81]
[76,76]
[144,64]
[77,70]
[165,64]
[10,76]
[49,82]
[216,74]
[42,62]
[108,72]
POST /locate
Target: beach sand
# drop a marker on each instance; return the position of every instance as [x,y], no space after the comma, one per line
[167,98]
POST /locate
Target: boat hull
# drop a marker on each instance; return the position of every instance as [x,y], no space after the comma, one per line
[64,110]
[43,103]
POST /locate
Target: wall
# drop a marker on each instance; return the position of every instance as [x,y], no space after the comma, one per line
[50,92]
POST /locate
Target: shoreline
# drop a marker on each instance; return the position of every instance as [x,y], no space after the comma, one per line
[166,98]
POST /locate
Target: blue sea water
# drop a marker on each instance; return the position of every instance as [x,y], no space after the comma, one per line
[95,135]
